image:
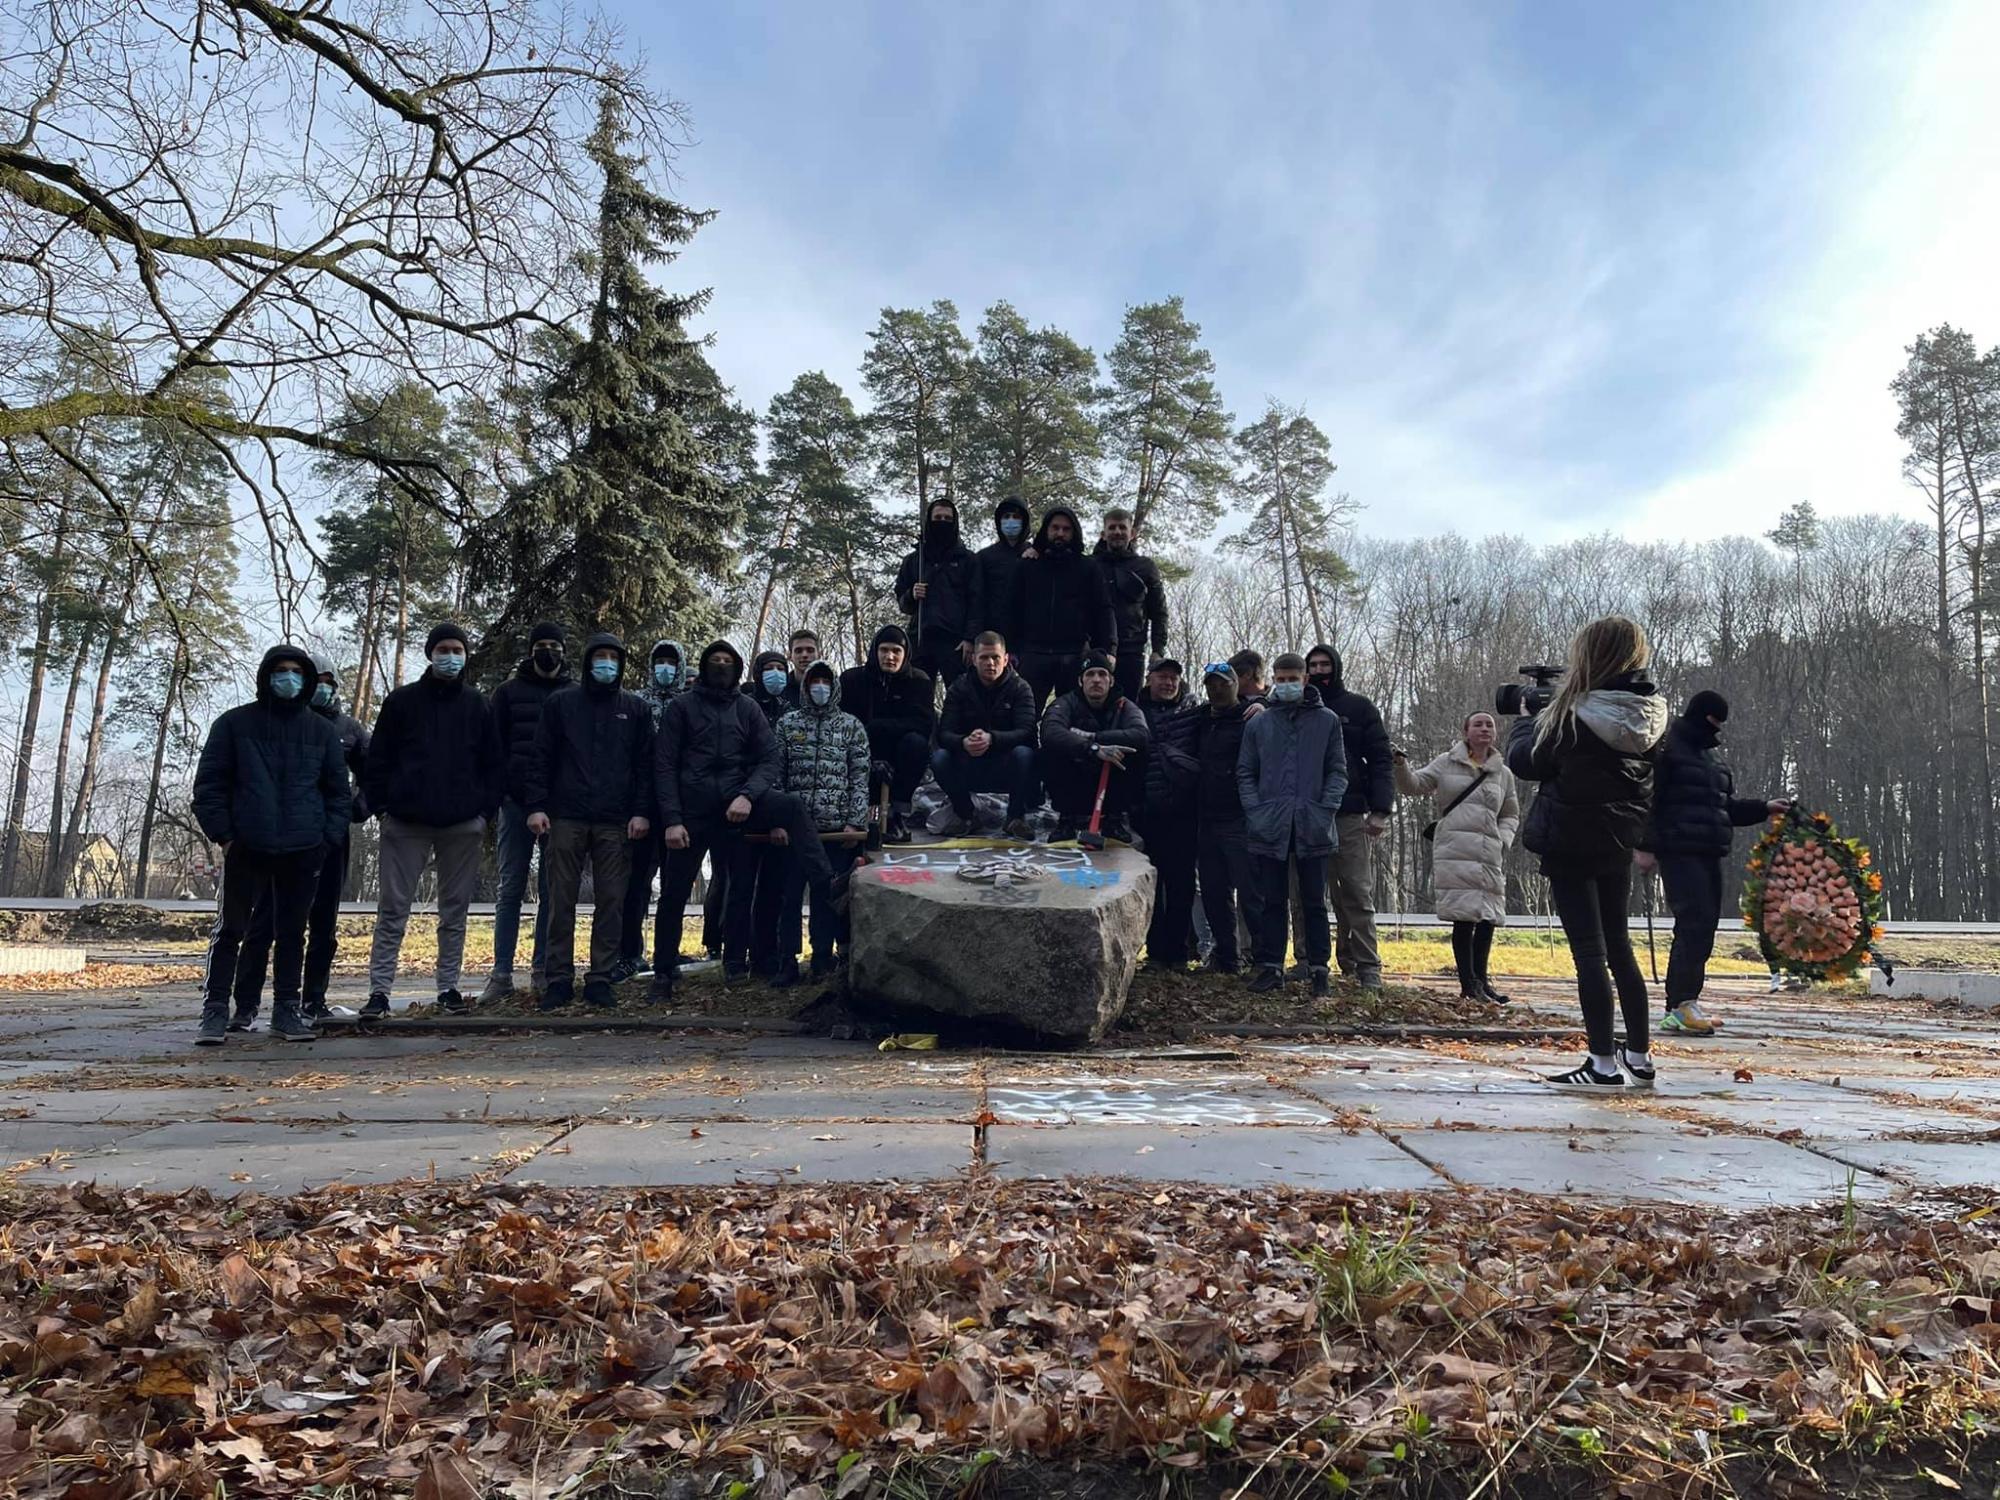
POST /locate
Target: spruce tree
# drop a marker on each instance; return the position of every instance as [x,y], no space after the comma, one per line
[624,522]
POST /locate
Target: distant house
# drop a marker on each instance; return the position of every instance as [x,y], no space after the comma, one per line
[99,873]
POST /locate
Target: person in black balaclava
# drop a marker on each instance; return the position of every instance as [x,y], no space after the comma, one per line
[323,920]
[1061,608]
[517,714]
[1364,818]
[716,771]
[934,588]
[993,569]
[271,791]
[1696,813]
[893,701]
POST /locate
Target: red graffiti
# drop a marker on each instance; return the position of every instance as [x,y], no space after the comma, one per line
[901,876]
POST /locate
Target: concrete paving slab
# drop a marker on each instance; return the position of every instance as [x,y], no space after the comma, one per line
[1325,1159]
[146,1105]
[30,1140]
[1839,1116]
[1237,1100]
[604,1154]
[1485,1109]
[1734,1172]
[1926,1163]
[1982,1094]
[225,1157]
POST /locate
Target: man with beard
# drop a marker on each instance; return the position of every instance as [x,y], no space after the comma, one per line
[1166,822]
[934,588]
[716,772]
[517,717]
[1138,598]
[1364,817]
[1061,608]
[895,704]
[994,566]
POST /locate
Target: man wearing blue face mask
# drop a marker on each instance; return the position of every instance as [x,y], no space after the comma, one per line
[271,791]
[590,793]
[771,686]
[435,776]
[666,680]
[993,569]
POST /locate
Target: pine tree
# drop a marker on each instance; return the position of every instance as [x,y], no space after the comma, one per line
[914,371]
[1289,464]
[624,523]
[1031,427]
[1165,421]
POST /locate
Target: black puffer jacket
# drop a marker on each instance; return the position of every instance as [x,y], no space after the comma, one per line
[1071,724]
[1371,782]
[1695,807]
[888,705]
[1138,597]
[714,746]
[353,739]
[593,758]
[1218,746]
[1061,605]
[1006,710]
[945,567]
[993,570]
[435,755]
[1173,761]
[272,776]
[517,717]
[1596,776]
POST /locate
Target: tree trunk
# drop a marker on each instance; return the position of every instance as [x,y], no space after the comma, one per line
[1948,820]
[771,577]
[52,866]
[12,879]
[145,870]
[854,601]
[402,603]
[364,671]
[93,745]
[1971,459]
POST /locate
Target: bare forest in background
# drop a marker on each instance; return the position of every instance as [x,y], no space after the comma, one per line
[327,327]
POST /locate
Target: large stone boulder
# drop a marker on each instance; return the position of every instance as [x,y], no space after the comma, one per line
[1040,944]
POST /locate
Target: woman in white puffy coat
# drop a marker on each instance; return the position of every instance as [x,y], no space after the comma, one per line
[1468,857]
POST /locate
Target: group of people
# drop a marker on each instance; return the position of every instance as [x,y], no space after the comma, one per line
[1031,669]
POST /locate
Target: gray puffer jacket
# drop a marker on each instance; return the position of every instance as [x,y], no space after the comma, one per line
[825,758]
[1291,774]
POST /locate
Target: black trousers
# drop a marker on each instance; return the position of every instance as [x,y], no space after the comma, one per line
[827,926]
[322,936]
[714,911]
[288,881]
[1130,673]
[1010,771]
[646,863]
[1171,846]
[1471,950]
[1049,673]
[939,656]
[1274,887]
[1592,905]
[771,869]
[1694,895]
[737,856]
[1222,859]
[906,761]
[1072,785]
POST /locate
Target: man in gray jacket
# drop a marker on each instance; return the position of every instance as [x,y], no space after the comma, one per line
[1291,774]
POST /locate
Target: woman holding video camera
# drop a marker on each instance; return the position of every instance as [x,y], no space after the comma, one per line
[1478,811]
[1591,749]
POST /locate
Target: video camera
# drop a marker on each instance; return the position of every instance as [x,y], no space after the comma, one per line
[1512,698]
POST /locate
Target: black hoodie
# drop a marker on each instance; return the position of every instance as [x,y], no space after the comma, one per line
[1061,604]
[272,776]
[1695,807]
[944,565]
[1138,597]
[593,757]
[435,756]
[353,737]
[889,705]
[714,745]
[993,570]
[517,716]
[1371,784]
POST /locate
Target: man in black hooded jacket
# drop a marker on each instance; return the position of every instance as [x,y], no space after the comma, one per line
[517,715]
[994,567]
[1085,730]
[1166,821]
[895,704]
[1696,813]
[716,773]
[1061,608]
[323,919]
[1364,817]
[271,790]
[1138,598]
[934,588]
[590,794]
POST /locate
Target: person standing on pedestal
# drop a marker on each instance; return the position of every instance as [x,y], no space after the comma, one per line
[1138,599]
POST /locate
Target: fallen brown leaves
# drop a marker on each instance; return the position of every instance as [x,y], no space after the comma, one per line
[452,1342]
[97,976]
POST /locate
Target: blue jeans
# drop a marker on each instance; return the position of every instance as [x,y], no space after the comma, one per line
[1010,771]
[515,847]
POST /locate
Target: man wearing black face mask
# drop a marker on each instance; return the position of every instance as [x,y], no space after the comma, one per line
[271,791]
[1364,818]
[517,715]
[1061,608]
[716,770]
[934,588]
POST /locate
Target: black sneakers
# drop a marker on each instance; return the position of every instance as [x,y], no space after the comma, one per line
[214,1026]
[1587,1080]
[898,831]
[1119,828]
[787,975]
[377,1006]
[452,1003]
[1267,981]
[597,995]
[557,996]
[289,1026]
[1063,833]
[242,1020]
[1322,984]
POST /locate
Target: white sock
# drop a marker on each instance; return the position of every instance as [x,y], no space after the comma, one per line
[1604,1065]
[1638,1059]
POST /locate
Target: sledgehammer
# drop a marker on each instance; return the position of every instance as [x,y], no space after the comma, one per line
[1093,836]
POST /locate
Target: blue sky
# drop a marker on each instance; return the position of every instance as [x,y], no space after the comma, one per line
[1548,268]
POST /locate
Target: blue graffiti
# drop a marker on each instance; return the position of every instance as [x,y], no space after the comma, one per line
[1089,879]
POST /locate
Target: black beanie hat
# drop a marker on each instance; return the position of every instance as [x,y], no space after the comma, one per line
[446,632]
[892,635]
[1707,704]
[548,630]
[1100,660]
